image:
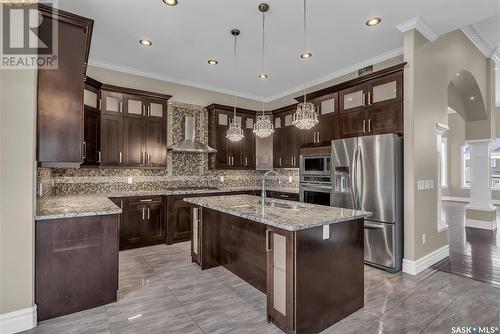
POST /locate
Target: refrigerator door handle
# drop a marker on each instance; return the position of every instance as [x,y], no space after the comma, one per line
[353,180]
[360,190]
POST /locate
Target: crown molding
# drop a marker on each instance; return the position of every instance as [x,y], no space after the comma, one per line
[480,42]
[169,79]
[417,24]
[334,75]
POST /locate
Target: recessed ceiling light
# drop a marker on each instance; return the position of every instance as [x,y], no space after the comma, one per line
[170,2]
[458,74]
[213,62]
[496,68]
[373,21]
[306,55]
[145,42]
[471,98]
[263,76]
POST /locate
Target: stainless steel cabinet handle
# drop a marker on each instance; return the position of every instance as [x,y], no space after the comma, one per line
[373,226]
[149,158]
[98,156]
[280,161]
[268,249]
[143,213]
[364,126]
[121,106]
[100,104]
[149,210]
[319,139]
[369,125]
[121,205]
[369,98]
[363,102]
[146,200]
[149,110]
[121,155]
[246,161]
[84,148]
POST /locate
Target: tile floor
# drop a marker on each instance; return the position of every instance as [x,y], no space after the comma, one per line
[161,291]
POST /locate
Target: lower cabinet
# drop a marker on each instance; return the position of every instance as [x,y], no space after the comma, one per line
[143,221]
[76,264]
[178,218]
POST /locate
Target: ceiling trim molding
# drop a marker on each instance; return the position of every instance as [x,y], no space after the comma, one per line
[168,79]
[481,43]
[337,74]
[417,24]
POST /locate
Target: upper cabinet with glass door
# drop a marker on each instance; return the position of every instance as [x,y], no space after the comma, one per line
[353,99]
[386,90]
[111,102]
[326,105]
[92,94]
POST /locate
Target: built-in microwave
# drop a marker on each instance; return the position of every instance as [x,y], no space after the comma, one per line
[315,165]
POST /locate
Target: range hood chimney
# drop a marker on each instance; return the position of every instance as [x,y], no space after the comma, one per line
[189,144]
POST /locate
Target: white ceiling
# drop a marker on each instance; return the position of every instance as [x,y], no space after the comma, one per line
[185,36]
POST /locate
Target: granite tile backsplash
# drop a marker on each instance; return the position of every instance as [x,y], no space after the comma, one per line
[183,169]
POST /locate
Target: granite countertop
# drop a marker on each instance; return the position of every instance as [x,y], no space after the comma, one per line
[305,216]
[76,206]
[68,206]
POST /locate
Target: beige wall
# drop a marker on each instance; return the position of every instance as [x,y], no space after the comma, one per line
[201,97]
[431,66]
[17,147]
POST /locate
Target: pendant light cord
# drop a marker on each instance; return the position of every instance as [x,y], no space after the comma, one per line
[305,46]
[263,38]
[234,96]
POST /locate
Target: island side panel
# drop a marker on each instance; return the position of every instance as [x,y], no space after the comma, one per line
[243,249]
[208,232]
[76,264]
[329,275]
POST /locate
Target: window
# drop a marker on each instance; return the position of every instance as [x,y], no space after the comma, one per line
[465,166]
[494,165]
[444,162]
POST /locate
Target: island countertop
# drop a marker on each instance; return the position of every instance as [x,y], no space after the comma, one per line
[304,216]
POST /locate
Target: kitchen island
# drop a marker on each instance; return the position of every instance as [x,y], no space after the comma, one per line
[307,259]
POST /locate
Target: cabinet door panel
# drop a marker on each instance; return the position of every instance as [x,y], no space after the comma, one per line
[353,99]
[179,219]
[156,223]
[134,154]
[157,109]
[91,135]
[135,106]
[90,98]
[111,140]
[134,229]
[112,102]
[329,129]
[388,119]
[387,90]
[353,124]
[156,143]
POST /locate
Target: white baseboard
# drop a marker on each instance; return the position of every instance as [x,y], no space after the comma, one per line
[481,224]
[416,267]
[464,199]
[18,321]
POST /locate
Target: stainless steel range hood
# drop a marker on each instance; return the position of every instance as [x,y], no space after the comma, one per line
[189,144]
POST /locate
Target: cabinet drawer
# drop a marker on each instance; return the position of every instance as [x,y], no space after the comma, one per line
[145,200]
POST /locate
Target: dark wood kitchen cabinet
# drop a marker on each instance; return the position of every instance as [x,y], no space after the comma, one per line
[231,155]
[76,264]
[178,219]
[143,222]
[133,127]
[91,123]
[287,139]
[60,111]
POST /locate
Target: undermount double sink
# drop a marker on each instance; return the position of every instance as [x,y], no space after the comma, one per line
[272,204]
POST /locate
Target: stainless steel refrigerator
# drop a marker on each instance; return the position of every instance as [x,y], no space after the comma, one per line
[368,175]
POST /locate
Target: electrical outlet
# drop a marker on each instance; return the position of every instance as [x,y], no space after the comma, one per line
[420,185]
[424,238]
[221,178]
[129,180]
[326,232]
[427,184]
[40,189]
[289,179]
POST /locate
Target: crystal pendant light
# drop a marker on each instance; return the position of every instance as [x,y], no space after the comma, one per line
[263,127]
[306,116]
[235,132]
